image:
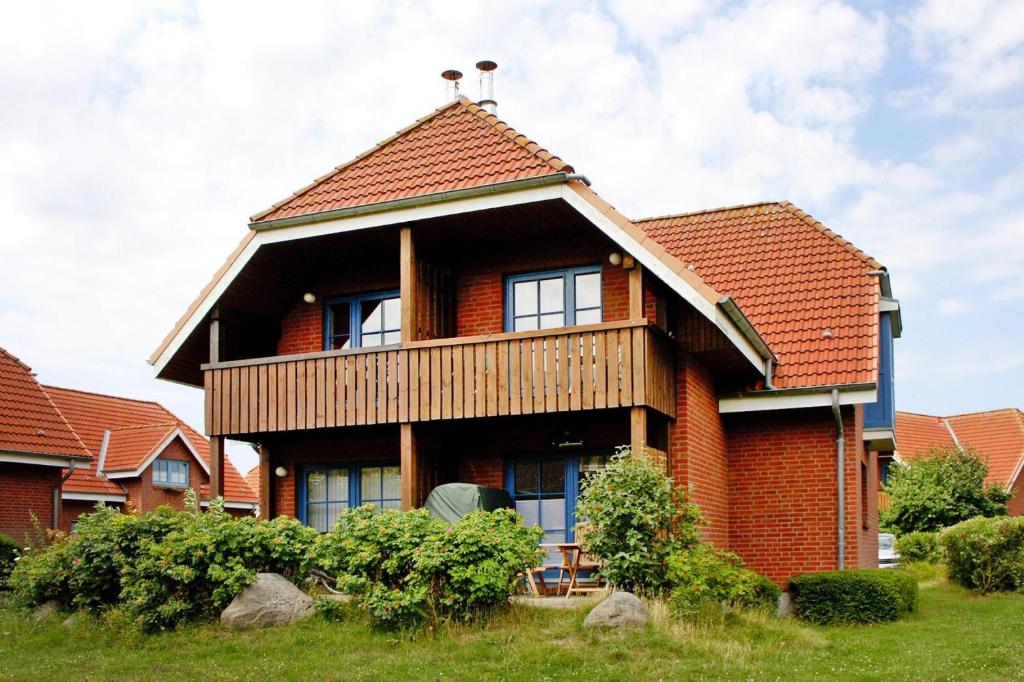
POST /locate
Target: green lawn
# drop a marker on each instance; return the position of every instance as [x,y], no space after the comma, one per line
[953,636]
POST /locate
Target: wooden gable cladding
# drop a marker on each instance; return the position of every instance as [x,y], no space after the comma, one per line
[609,365]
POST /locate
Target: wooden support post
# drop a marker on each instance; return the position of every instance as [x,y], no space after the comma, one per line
[215,334]
[216,467]
[407,279]
[265,474]
[637,429]
[409,468]
[636,292]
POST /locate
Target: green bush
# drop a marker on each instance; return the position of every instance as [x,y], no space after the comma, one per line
[407,568]
[985,554]
[870,595]
[936,491]
[44,574]
[704,574]
[917,547]
[194,571]
[9,551]
[637,521]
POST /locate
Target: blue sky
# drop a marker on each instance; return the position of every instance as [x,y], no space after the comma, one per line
[137,137]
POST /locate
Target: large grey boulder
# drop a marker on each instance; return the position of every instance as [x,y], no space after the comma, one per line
[268,602]
[619,610]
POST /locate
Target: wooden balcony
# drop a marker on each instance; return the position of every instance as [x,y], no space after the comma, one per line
[617,364]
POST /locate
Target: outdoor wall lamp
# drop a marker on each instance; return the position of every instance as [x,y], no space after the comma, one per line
[309,297]
[281,472]
[615,258]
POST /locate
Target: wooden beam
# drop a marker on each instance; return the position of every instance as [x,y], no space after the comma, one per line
[265,474]
[216,467]
[409,467]
[637,429]
[408,285]
[636,293]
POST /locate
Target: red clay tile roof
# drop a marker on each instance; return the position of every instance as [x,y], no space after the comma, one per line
[129,447]
[998,435]
[457,146]
[86,481]
[29,421]
[806,289]
[252,479]
[90,414]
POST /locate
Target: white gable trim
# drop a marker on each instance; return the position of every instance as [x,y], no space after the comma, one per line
[793,399]
[43,459]
[231,505]
[157,451]
[93,497]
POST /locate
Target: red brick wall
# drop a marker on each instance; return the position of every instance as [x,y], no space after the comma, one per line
[72,509]
[697,447]
[26,489]
[145,496]
[1015,507]
[782,490]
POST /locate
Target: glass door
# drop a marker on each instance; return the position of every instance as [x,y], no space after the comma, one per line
[538,486]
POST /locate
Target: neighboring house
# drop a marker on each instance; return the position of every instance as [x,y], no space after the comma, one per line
[997,435]
[143,454]
[38,450]
[456,304]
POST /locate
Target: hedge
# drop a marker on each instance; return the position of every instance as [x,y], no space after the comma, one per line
[870,595]
[918,546]
[985,554]
[8,553]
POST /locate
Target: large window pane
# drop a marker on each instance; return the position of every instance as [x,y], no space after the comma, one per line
[372,316]
[588,290]
[552,321]
[337,485]
[552,297]
[525,324]
[392,313]
[340,334]
[316,486]
[525,295]
[370,485]
[370,340]
[526,478]
[391,482]
[592,316]
[552,476]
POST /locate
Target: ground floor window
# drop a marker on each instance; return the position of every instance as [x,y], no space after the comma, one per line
[325,490]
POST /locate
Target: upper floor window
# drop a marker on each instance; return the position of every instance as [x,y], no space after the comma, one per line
[170,472]
[553,298]
[363,321]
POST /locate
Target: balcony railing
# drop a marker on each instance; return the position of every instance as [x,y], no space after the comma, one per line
[618,364]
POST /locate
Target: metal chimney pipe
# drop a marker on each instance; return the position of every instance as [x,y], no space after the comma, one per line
[451,89]
[487,86]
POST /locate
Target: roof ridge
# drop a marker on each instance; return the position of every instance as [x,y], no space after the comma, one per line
[16,359]
[831,234]
[979,412]
[919,414]
[47,387]
[687,214]
[174,423]
[64,419]
[500,126]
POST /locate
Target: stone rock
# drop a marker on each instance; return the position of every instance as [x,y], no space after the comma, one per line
[619,610]
[71,620]
[268,602]
[44,611]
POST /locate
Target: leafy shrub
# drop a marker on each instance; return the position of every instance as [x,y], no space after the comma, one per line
[331,610]
[8,556]
[195,570]
[407,568]
[939,490]
[704,574]
[917,547]
[43,574]
[638,520]
[870,595]
[985,554]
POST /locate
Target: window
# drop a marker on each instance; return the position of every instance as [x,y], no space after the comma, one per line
[325,491]
[363,321]
[170,472]
[555,298]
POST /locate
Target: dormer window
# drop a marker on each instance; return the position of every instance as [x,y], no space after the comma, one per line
[363,321]
[170,472]
[553,298]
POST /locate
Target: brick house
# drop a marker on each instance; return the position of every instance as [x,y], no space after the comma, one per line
[143,454]
[457,304]
[997,435]
[38,450]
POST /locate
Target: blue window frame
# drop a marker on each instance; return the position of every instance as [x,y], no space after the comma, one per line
[325,490]
[882,413]
[553,298]
[170,472]
[363,320]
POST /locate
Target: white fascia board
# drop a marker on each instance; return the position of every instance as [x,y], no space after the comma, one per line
[93,497]
[231,505]
[177,433]
[888,305]
[42,459]
[784,400]
[347,224]
[880,439]
[663,272]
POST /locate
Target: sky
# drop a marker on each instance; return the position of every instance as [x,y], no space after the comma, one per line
[137,137]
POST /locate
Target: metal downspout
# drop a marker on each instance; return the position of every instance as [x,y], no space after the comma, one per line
[56,495]
[840,478]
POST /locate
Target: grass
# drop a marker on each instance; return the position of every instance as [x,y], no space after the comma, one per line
[954,635]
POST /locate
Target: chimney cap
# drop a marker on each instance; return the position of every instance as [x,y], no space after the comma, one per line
[451,75]
[486,65]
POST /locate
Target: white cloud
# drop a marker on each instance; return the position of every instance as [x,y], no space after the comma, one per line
[953,306]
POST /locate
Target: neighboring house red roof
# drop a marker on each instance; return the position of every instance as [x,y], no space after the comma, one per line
[252,479]
[137,427]
[29,421]
[998,435]
[805,289]
[458,146]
